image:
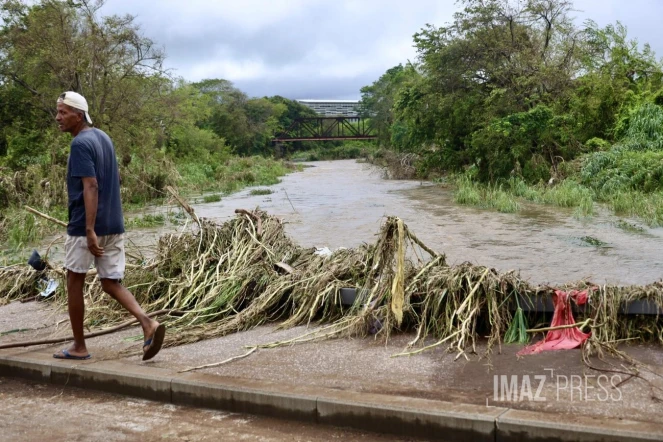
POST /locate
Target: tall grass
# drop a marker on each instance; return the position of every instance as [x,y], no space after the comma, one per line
[471,193]
[629,177]
[504,196]
[45,191]
[346,151]
[647,206]
[232,175]
[645,128]
[569,193]
[20,229]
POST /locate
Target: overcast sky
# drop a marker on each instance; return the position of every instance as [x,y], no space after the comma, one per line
[320,48]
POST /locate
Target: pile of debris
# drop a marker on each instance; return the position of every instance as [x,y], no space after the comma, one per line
[224,278]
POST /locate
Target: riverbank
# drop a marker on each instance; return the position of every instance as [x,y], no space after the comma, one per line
[584,195]
[507,196]
[20,230]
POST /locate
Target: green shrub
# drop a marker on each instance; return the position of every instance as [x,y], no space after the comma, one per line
[261,192]
[212,198]
[145,221]
[597,144]
[536,169]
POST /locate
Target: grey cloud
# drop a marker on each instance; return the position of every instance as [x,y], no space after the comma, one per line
[313,88]
[363,38]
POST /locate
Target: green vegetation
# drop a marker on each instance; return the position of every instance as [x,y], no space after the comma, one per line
[590,240]
[519,98]
[212,198]
[200,137]
[146,220]
[487,196]
[261,192]
[346,151]
[630,227]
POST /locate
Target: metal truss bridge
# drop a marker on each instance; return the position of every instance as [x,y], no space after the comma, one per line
[327,128]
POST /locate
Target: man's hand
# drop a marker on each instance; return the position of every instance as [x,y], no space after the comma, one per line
[93,244]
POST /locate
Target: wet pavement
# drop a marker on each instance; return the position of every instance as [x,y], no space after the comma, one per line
[551,381]
[31,411]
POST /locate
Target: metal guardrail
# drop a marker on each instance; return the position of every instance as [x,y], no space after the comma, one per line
[544,304]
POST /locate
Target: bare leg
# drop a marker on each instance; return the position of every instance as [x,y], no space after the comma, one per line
[120,293]
[75,283]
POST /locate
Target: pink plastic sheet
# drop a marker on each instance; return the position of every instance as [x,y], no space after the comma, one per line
[564,339]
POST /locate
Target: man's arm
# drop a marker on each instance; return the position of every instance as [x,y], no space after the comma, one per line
[91,199]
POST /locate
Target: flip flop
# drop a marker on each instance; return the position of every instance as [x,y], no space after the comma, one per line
[154,343]
[66,355]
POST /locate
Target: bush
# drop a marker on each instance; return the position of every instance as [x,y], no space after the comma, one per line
[645,128]
[193,142]
[518,143]
[621,170]
[597,144]
[536,169]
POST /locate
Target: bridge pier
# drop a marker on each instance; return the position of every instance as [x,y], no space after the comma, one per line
[279,149]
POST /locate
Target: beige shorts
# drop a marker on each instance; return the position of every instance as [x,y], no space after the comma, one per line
[110,265]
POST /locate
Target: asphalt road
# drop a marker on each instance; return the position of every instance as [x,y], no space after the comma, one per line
[38,412]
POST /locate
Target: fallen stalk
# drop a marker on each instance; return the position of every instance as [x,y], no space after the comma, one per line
[560,327]
[43,215]
[216,364]
[254,217]
[90,335]
[184,204]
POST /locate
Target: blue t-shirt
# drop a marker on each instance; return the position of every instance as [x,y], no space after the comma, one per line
[93,155]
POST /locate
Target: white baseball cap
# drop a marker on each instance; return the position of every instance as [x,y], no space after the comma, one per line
[77,101]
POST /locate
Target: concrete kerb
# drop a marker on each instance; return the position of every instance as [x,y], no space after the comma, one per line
[521,425]
[116,377]
[383,413]
[239,396]
[25,365]
[409,416]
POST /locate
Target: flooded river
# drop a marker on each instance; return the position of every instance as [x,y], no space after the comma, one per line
[342,204]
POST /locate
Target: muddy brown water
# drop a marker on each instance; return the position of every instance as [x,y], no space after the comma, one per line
[343,203]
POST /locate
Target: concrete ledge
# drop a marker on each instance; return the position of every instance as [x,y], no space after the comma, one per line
[256,398]
[33,366]
[409,416]
[116,377]
[520,425]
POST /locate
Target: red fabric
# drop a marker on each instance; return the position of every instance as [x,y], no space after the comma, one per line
[567,338]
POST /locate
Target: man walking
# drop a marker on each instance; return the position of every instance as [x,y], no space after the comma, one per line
[96,225]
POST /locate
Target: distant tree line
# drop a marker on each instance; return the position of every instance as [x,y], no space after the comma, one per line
[52,46]
[519,89]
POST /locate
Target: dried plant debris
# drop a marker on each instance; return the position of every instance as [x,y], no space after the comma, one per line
[245,272]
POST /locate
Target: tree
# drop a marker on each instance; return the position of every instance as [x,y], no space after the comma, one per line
[617,76]
[55,46]
[377,101]
[497,60]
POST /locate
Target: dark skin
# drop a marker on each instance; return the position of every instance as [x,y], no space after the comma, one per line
[73,121]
